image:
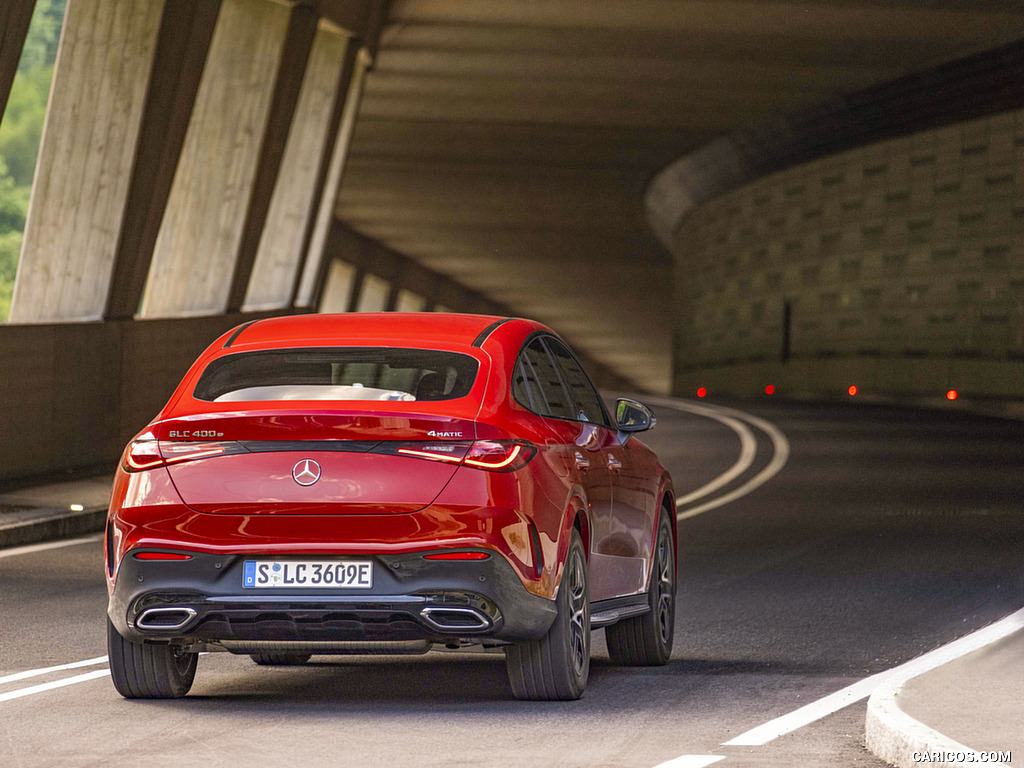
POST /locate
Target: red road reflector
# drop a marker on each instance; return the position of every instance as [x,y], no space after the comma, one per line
[701,392]
[952,394]
[770,389]
[161,556]
[458,556]
[852,390]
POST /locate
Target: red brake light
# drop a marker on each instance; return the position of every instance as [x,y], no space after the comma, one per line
[453,452]
[141,454]
[491,455]
[458,556]
[161,556]
[147,453]
[500,455]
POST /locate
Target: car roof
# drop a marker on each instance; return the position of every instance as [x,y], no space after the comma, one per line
[363,327]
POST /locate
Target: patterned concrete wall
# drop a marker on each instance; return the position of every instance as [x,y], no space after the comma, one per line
[900,264]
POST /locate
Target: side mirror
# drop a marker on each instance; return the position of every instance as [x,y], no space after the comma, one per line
[631,416]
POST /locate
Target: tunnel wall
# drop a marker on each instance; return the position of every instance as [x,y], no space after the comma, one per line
[73,394]
[897,267]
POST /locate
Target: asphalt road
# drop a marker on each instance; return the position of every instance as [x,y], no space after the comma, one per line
[887,533]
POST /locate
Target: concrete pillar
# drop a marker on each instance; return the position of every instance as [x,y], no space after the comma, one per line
[373,294]
[338,287]
[313,269]
[409,301]
[298,44]
[186,31]
[85,159]
[201,232]
[291,207]
[15,16]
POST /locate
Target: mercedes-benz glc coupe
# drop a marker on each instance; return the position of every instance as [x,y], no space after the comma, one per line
[389,483]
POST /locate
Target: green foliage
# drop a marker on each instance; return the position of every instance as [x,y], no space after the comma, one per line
[20,131]
[41,45]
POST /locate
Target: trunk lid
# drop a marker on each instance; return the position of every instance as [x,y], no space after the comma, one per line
[289,463]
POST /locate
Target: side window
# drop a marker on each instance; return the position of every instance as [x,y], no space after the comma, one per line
[587,401]
[526,390]
[536,383]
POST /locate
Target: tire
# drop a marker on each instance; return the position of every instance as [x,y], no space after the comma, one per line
[149,670]
[556,667]
[272,659]
[646,641]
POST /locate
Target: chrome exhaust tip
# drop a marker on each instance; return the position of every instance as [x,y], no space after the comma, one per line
[164,619]
[455,619]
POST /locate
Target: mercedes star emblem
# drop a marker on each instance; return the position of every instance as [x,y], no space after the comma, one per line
[306,472]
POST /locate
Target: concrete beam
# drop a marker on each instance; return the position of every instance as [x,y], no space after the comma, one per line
[85,160]
[326,174]
[362,19]
[312,275]
[286,232]
[302,27]
[15,16]
[202,227]
[186,30]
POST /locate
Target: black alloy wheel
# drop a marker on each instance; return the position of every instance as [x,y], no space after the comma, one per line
[646,641]
[149,670]
[556,667]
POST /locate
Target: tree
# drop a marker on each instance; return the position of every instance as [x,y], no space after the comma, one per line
[20,131]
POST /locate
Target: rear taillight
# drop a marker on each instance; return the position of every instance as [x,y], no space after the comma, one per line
[141,454]
[491,455]
[500,455]
[147,454]
[452,453]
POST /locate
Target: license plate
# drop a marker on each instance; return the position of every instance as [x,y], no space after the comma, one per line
[351,574]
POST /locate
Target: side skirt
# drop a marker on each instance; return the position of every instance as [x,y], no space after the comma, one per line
[605,612]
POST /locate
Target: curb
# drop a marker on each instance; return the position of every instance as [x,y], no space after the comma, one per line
[48,524]
[896,737]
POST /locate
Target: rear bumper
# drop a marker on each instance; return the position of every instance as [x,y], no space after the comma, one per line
[412,598]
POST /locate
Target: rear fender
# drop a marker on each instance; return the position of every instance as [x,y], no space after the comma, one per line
[575,512]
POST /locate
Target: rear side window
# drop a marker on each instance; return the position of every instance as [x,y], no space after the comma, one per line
[585,398]
[537,385]
[338,373]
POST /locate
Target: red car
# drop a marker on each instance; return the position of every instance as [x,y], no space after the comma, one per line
[381,483]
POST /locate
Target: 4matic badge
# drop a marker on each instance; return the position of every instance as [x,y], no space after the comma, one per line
[306,472]
[434,433]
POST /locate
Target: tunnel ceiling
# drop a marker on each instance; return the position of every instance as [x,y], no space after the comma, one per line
[509,144]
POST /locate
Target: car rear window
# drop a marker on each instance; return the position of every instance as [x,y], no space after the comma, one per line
[337,373]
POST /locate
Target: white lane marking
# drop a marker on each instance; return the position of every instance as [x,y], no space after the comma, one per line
[27,550]
[748,450]
[780,446]
[48,670]
[862,689]
[691,761]
[43,687]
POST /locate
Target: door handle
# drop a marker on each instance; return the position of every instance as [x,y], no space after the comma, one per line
[582,462]
[614,464]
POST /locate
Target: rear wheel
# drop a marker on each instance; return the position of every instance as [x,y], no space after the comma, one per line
[149,670]
[646,641]
[557,666]
[271,659]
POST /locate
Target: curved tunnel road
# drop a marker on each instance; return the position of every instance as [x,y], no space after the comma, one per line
[818,546]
